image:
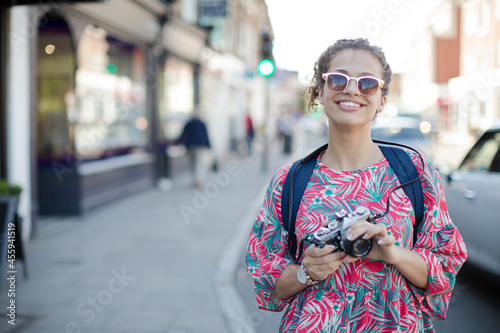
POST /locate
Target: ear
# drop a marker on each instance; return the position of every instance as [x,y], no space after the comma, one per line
[383,101]
[320,95]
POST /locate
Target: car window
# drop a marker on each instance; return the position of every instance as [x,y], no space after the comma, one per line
[495,165]
[484,156]
[397,133]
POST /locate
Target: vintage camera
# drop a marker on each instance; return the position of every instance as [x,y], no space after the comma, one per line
[335,233]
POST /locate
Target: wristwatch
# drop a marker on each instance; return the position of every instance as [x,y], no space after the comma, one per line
[303,276]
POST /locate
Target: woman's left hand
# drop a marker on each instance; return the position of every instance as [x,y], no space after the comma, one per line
[383,248]
[409,263]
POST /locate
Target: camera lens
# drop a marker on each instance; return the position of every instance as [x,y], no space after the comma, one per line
[358,248]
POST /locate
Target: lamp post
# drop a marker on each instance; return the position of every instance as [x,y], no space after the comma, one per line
[266,69]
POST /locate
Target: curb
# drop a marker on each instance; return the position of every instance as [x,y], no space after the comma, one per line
[233,309]
[232,306]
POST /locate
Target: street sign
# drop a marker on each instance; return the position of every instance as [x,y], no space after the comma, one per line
[213,8]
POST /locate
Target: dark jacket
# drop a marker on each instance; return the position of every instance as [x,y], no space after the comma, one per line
[194,134]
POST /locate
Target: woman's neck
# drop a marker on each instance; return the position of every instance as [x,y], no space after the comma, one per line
[350,149]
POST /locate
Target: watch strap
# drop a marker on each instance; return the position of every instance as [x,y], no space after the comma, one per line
[309,282]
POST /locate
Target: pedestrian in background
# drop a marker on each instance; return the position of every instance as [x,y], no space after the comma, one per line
[195,138]
[285,127]
[250,132]
[399,285]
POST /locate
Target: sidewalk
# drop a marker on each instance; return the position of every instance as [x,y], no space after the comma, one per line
[146,263]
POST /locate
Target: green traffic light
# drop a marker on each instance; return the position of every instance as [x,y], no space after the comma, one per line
[112,69]
[266,68]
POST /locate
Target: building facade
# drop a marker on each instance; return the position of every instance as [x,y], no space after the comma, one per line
[477,89]
[94,92]
[434,60]
[453,75]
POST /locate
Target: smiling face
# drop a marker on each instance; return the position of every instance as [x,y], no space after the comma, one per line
[350,107]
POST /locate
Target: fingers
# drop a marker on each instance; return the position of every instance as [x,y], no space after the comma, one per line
[383,243]
[348,259]
[321,266]
[386,241]
[316,252]
[321,256]
[366,230]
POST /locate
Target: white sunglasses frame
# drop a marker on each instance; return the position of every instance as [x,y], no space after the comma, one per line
[325,76]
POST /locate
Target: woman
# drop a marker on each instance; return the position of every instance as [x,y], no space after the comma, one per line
[399,286]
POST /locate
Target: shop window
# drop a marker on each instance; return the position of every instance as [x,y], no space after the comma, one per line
[56,66]
[110,97]
[176,96]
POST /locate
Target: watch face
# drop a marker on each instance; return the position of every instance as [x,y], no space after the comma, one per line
[301,275]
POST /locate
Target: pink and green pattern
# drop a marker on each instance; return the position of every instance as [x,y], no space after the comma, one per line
[368,295]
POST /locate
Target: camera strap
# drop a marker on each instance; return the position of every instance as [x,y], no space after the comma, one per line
[300,172]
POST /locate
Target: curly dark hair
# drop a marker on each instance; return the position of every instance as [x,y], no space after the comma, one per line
[321,66]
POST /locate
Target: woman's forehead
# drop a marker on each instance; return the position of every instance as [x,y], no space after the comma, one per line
[356,63]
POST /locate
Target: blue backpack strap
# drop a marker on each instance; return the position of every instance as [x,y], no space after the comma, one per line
[291,196]
[285,204]
[406,172]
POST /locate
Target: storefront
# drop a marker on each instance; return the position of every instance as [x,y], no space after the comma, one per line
[103,85]
[92,121]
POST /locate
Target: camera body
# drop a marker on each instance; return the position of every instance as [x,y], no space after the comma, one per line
[335,233]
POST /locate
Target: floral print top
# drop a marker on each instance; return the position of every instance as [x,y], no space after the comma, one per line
[367,295]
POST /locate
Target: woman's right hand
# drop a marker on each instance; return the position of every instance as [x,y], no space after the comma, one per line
[321,262]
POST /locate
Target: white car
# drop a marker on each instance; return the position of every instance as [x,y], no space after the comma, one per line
[473,199]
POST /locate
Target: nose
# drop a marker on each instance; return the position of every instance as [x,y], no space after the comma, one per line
[352,87]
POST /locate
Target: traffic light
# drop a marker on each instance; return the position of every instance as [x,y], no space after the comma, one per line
[266,66]
[266,46]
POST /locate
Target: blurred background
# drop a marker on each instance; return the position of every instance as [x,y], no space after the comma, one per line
[94,96]
[89,86]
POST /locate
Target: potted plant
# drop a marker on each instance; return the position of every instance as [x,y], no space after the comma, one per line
[10,190]
[11,193]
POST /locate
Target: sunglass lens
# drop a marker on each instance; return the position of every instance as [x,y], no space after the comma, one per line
[337,82]
[368,86]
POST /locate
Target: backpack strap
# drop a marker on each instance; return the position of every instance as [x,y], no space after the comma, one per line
[291,196]
[406,172]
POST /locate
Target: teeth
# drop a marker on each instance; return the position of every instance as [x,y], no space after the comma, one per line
[350,104]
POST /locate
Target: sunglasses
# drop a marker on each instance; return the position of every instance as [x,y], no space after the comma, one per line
[367,85]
